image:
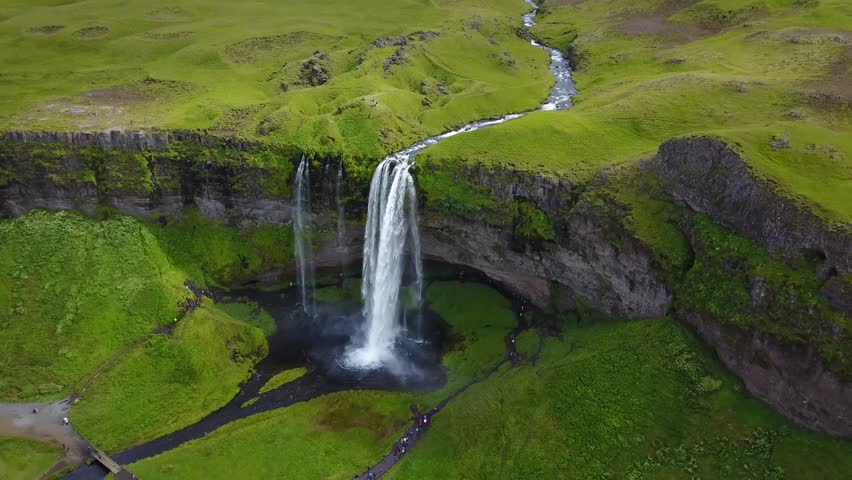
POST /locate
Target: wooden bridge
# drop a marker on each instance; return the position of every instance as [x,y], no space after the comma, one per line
[117,472]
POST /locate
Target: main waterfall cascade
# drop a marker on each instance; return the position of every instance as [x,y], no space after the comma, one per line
[391,238]
[302,235]
[391,241]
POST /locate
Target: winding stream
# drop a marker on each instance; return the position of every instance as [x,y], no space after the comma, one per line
[315,383]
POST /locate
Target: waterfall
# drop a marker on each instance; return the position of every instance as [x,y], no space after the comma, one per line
[391,241]
[302,234]
[338,193]
[392,225]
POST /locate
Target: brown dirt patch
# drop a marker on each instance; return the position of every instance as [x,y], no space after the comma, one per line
[836,86]
[165,35]
[657,24]
[804,36]
[45,29]
[254,49]
[344,415]
[168,15]
[91,33]
[138,92]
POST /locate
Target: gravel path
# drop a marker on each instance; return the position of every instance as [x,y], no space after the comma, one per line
[18,420]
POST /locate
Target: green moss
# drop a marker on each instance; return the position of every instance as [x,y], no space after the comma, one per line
[445,190]
[40,162]
[735,281]
[117,171]
[251,169]
[479,317]
[530,223]
[349,292]
[529,342]
[645,211]
[215,254]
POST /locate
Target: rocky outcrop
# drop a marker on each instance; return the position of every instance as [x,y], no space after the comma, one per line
[591,253]
[790,372]
[124,140]
[791,378]
[106,140]
[140,174]
[711,177]
[403,40]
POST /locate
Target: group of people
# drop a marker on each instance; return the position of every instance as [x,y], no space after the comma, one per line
[511,346]
[401,446]
[191,304]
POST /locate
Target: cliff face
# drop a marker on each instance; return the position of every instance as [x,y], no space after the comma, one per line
[142,174]
[792,378]
[710,177]
[784,362]
[589,255]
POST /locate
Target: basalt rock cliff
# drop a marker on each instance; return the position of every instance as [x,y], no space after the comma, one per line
[788,372]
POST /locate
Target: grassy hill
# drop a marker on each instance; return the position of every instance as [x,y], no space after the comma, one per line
[298,72]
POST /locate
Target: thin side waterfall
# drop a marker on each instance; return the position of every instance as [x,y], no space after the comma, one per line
[417,264]
[302,235]
[391,241]
[338,197]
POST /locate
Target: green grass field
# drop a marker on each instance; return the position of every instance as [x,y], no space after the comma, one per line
[170,381]
[649,71]
[23,459]
[479,317]
[74,291]
[330,437]
[619,400]
[237,67]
